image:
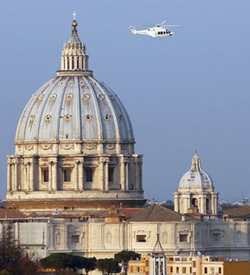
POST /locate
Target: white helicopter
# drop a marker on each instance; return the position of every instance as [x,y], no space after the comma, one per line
[159,30]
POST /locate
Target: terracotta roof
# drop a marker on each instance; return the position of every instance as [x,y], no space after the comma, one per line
[129,212]
[158,213]
[238,212]
[8,213]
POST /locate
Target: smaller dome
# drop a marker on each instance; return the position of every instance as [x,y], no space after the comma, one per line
[196,177]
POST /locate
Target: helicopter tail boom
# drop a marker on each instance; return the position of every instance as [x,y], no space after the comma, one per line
[132,29]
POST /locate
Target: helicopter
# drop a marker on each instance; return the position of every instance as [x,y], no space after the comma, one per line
[159,30]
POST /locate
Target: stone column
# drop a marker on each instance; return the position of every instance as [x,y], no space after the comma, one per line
[9,176]
[101,173]
[122,174]
[176,202]
[27,175]
[54,175]
[214,204]
[202,205]
[138,173]
[106,175]
[66,63]
[81,175]
[13,178]
[16,176]
[62,63]
[70,63]
[31,172]
[76,176]
[80,62]
[127,176]
[50,175]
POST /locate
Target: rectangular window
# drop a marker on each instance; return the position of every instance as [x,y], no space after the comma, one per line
[75,238]
[111,174]
[220,270]
[205,270]
[194,263]
[66,175]
[184,270]
[89,174]
[141,238]
[183,238]
[171,269]
[45,175]
[177,269]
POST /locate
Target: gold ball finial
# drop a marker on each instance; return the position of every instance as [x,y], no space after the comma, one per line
[74,24]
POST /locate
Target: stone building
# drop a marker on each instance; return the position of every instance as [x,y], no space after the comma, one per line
[74,144]
[76,174]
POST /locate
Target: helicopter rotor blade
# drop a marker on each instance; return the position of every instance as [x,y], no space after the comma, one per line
[162,23]
[170,25]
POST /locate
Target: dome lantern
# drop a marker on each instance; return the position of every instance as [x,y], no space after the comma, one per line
[74,60]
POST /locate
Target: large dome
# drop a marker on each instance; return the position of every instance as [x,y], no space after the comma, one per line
[196,177]
[74,145]
[74,107]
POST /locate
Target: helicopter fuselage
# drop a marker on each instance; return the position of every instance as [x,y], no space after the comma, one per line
[153,32]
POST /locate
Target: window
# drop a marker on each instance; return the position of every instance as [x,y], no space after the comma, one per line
[75,238]
[45,175]
[177,269]
[89,174]
[141,238]
[67,175]
[194,263]
[205,270]
[171,269]
[194,203]
[184,270]
[183,238]
[111,174]
[220,270]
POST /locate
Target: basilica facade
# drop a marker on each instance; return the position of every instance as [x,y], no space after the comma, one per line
[76,176]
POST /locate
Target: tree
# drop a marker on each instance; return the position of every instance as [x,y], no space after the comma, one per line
[125,256]
[63,261]
[90,264]
[107,266]
[13,261]
[57,261]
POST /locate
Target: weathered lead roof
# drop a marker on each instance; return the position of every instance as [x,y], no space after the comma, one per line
[196,177]
[76,107]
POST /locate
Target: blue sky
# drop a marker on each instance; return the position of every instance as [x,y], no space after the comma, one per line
[184,93]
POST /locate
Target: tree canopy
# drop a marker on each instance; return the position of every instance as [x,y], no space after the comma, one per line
[63,261]
[108,265]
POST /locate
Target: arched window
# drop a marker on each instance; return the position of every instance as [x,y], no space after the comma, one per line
[194,203]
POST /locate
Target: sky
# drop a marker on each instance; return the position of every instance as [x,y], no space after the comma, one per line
[183,93]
